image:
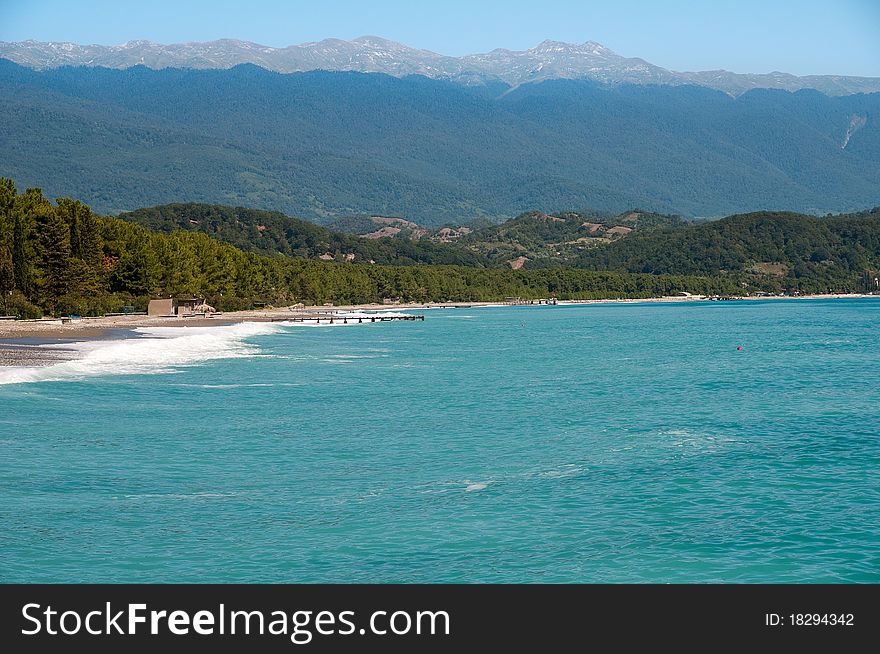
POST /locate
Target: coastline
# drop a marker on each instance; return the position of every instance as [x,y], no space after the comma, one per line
[22,342]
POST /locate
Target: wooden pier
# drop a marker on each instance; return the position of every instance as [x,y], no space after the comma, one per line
[518,301]
[336,319]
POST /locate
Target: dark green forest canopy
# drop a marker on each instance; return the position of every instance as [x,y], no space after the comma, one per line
[61,258]
[271,232]
[557,239]
[544,239]
[320,145]
[762,251]
[773,250]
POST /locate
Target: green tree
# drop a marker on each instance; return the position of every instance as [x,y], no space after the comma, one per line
[7,276]
[7,227]
[54,255]
[85,271]
[24,240]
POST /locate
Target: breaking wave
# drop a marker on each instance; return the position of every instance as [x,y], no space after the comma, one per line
[155,350]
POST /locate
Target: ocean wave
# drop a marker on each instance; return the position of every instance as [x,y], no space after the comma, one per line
[565,470]
[159,350]
[206,495]
[696,440]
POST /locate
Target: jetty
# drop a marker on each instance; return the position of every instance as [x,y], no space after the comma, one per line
[342,318]
[518,301]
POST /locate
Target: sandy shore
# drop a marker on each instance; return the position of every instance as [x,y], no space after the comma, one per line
[90,328]
[20,340]
[17,354]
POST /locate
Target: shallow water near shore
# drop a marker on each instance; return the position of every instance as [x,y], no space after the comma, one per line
[600,443]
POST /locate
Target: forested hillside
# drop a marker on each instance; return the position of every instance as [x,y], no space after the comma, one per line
[270,232]
[764,250]
[61,258]
[320,145]
[535,239]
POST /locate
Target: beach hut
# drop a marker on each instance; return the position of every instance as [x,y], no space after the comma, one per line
[176,306]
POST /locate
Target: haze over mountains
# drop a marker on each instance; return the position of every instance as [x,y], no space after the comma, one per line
[372,54]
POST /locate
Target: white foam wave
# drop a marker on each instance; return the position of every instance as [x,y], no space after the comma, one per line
[160,350]
[225,386]
[179,496]
[565,470]
[353,356]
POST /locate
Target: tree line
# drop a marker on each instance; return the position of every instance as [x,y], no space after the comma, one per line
[270,232]
[60,258]
[771,251]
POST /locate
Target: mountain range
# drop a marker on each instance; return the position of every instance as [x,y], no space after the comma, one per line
[324,145]
[371,54]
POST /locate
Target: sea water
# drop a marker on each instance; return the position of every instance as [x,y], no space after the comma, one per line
[599,443]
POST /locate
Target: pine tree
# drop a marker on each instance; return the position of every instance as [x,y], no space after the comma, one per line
[54,255]
[7,202]
[85,241]
[7,276]
[24,238]
[21,269]
[7,222]
[85,271]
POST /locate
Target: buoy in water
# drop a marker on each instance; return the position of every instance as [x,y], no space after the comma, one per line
[739,348]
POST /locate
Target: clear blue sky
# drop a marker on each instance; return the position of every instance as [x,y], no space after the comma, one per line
[809,36]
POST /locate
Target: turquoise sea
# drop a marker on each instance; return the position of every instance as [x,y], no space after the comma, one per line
[598,443]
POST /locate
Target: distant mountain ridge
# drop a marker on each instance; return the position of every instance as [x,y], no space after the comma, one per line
[372,54]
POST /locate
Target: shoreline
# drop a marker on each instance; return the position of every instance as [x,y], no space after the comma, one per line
[22,341]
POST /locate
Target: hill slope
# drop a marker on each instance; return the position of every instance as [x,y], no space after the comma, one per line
[536,239]
[322,145]
[773,250]
[768,251]
[268,232]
